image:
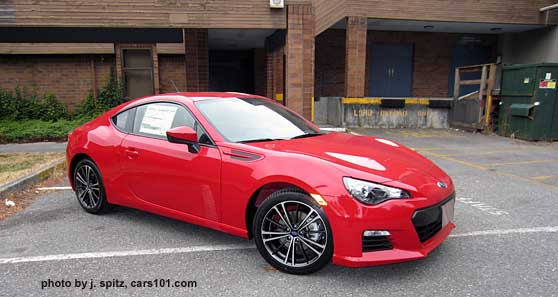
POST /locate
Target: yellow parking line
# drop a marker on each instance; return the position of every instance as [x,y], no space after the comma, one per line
[483,168]
[448,158]
[520,163]
[544,177]
[482,149]
[468,148]
[479,153]
[492,151]
[441,149]
[425,134]
[534,181]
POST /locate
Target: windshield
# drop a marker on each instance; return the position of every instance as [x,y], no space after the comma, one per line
[250,119]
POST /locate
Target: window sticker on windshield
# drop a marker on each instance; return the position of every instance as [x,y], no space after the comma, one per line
[157,119]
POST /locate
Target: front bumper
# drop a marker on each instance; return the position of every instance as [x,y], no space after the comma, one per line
[349,219]
[395,255]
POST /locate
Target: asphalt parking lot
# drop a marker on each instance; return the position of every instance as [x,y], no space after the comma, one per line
[505,243]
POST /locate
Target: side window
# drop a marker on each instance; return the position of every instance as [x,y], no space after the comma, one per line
[155,119]
[121,120]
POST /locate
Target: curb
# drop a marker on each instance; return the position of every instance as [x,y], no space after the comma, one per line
[32,178]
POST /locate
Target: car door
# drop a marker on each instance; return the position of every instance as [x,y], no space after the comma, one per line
[167,174]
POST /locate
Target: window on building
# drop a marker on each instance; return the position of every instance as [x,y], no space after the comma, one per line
[137,72]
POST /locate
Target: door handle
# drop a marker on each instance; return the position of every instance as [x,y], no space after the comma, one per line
[131,152]
[390,72]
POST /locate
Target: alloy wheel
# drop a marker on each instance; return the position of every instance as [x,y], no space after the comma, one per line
[294,234]
[88,187]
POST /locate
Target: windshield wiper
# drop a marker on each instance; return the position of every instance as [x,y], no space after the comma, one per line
[306,135]
[259,140]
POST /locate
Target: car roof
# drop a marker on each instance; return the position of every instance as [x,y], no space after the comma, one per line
[185,97]
[198,96]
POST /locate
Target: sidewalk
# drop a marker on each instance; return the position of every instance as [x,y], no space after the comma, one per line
[40,147]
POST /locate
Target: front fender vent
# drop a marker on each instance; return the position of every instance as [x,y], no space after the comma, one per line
[242,156]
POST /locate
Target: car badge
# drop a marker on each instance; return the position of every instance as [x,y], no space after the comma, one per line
[442,185]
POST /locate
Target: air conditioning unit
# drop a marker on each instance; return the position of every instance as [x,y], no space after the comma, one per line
[277,3]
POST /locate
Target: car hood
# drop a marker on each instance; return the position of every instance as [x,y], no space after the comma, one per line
[378,156]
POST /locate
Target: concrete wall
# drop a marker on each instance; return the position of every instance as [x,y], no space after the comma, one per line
[376,116]
[328,110]
[320,110]
[535,46]
[335,112]
[332,111]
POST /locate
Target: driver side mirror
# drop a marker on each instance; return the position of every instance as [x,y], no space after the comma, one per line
[184,135]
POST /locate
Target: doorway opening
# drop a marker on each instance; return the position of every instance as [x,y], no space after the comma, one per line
[237,60]
[231,70]
[137,72]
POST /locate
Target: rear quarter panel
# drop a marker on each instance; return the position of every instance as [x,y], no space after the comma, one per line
[99,141]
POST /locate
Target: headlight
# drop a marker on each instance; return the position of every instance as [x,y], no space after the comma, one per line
[371,193]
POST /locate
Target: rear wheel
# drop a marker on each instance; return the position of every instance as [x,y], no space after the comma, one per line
[90,190]
[292,233]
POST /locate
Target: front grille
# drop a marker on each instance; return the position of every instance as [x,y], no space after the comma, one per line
[375,243]
[428,221]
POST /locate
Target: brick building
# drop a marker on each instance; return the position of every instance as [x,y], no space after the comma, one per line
[306,49]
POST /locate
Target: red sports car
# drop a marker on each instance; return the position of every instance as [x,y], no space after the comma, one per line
[248,166]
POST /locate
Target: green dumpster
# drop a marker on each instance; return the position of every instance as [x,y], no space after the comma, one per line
[528,102]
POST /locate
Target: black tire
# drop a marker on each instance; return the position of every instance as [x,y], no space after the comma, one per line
[90,190]
[274,238]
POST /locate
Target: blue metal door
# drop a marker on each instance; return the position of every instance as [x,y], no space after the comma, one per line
[392,70]
[380,76]
[466,55]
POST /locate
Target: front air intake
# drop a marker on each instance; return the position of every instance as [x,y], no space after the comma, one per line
[428,221]
[376,243]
